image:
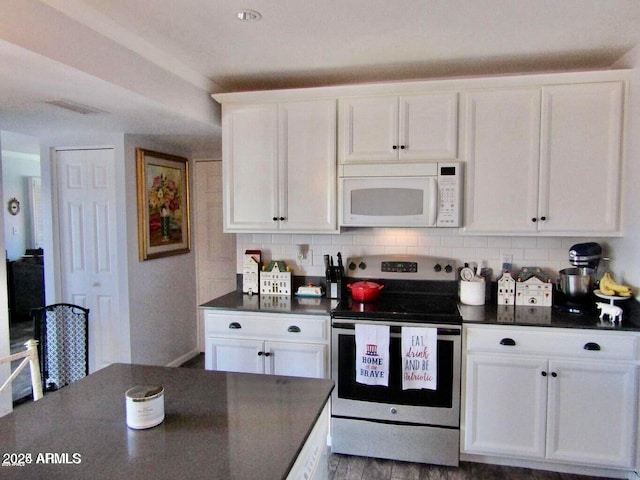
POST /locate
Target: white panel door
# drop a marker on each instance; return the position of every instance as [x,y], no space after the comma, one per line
[429,127]
[250,165]
[591,413]
[308,166]
[368,129]
[502,148]
[296,359]
[581,152]
[86,193]
[231,355]
[506,399]
[215,250]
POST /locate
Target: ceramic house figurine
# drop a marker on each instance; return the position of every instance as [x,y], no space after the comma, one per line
[275,279]
[250,271]
[533,288]
[506,289]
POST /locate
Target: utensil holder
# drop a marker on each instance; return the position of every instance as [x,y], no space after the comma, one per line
[473,292]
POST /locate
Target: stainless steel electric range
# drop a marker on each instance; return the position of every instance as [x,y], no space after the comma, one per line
[417,425]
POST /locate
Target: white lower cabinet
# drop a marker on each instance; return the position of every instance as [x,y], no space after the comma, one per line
[278,344]
[550,394]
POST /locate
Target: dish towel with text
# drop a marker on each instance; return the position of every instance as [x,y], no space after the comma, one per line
[372,354]
[419,358]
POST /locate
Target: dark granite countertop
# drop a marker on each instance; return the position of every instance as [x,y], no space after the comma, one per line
[491,314]
[217,425]
[488,314]
[272,303]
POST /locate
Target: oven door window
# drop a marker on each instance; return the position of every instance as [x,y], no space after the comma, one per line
[348,388]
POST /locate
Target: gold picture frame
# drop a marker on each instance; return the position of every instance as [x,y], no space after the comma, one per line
[163,204]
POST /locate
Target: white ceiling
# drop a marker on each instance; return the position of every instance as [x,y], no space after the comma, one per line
[151,65]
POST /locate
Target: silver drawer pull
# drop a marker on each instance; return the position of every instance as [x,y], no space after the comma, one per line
[293,329]
[234,325]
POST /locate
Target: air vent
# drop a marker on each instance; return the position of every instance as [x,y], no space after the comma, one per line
[75,107]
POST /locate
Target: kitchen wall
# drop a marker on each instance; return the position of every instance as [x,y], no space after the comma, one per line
[551,254]
[626,259]
[162,292]
[17,169]
[157,297]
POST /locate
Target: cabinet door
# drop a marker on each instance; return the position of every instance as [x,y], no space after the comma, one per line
[591,413]
[505,411]
[502,149]
[234,355]
[581,158]
[250,175]
[368,129]
[307,176]
[296,359]
[428,127]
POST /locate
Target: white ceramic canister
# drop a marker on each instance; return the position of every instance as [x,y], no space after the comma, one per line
[473,292]
[145,406]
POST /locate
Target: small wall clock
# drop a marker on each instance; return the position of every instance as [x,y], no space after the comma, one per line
[13,206]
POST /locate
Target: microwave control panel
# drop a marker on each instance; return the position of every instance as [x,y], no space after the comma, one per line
[449,195]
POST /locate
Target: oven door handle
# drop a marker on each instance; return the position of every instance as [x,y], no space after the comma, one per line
[396,329]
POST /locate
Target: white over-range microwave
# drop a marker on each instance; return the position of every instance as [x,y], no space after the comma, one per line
[402,195]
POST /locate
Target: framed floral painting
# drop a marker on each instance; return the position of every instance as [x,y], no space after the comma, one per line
[163,204]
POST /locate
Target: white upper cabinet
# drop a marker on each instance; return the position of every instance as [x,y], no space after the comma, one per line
[580,158]
[279,167]
[503,158]
[392,128]
[544,160]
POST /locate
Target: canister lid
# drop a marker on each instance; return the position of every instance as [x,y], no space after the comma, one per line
[142,393]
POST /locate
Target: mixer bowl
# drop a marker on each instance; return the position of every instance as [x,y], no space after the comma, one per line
[576,282]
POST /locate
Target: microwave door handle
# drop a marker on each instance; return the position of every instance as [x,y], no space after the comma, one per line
[433,202]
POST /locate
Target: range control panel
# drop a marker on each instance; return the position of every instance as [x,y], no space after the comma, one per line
[403,267]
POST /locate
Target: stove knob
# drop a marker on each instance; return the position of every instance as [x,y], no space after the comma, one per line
[438,267]
[352,266]
[362,265]
[448,269]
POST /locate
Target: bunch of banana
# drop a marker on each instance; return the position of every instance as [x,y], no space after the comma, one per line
[608,286]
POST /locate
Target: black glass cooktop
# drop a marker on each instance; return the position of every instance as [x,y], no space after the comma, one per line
[424,305]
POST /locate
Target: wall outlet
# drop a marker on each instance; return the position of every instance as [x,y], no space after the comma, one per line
[305,257]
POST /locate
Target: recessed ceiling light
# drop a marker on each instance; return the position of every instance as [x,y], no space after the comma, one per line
[248,15]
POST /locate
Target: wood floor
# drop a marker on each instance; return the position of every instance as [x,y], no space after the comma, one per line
[347,467]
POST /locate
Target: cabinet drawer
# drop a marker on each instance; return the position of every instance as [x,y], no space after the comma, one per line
[552,341]
[308,328]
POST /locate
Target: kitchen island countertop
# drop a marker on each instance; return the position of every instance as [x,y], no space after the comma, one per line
[217,425]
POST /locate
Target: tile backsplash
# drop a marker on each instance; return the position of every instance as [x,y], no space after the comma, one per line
[549,253]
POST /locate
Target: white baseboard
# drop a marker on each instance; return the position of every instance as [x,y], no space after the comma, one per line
[184,358]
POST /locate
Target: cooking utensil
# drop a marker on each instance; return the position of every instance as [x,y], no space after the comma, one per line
[365,292]
[576,282]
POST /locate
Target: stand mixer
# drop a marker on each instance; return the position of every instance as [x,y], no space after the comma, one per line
[575,285]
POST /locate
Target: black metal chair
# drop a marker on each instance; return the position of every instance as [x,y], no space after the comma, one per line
[62,330]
